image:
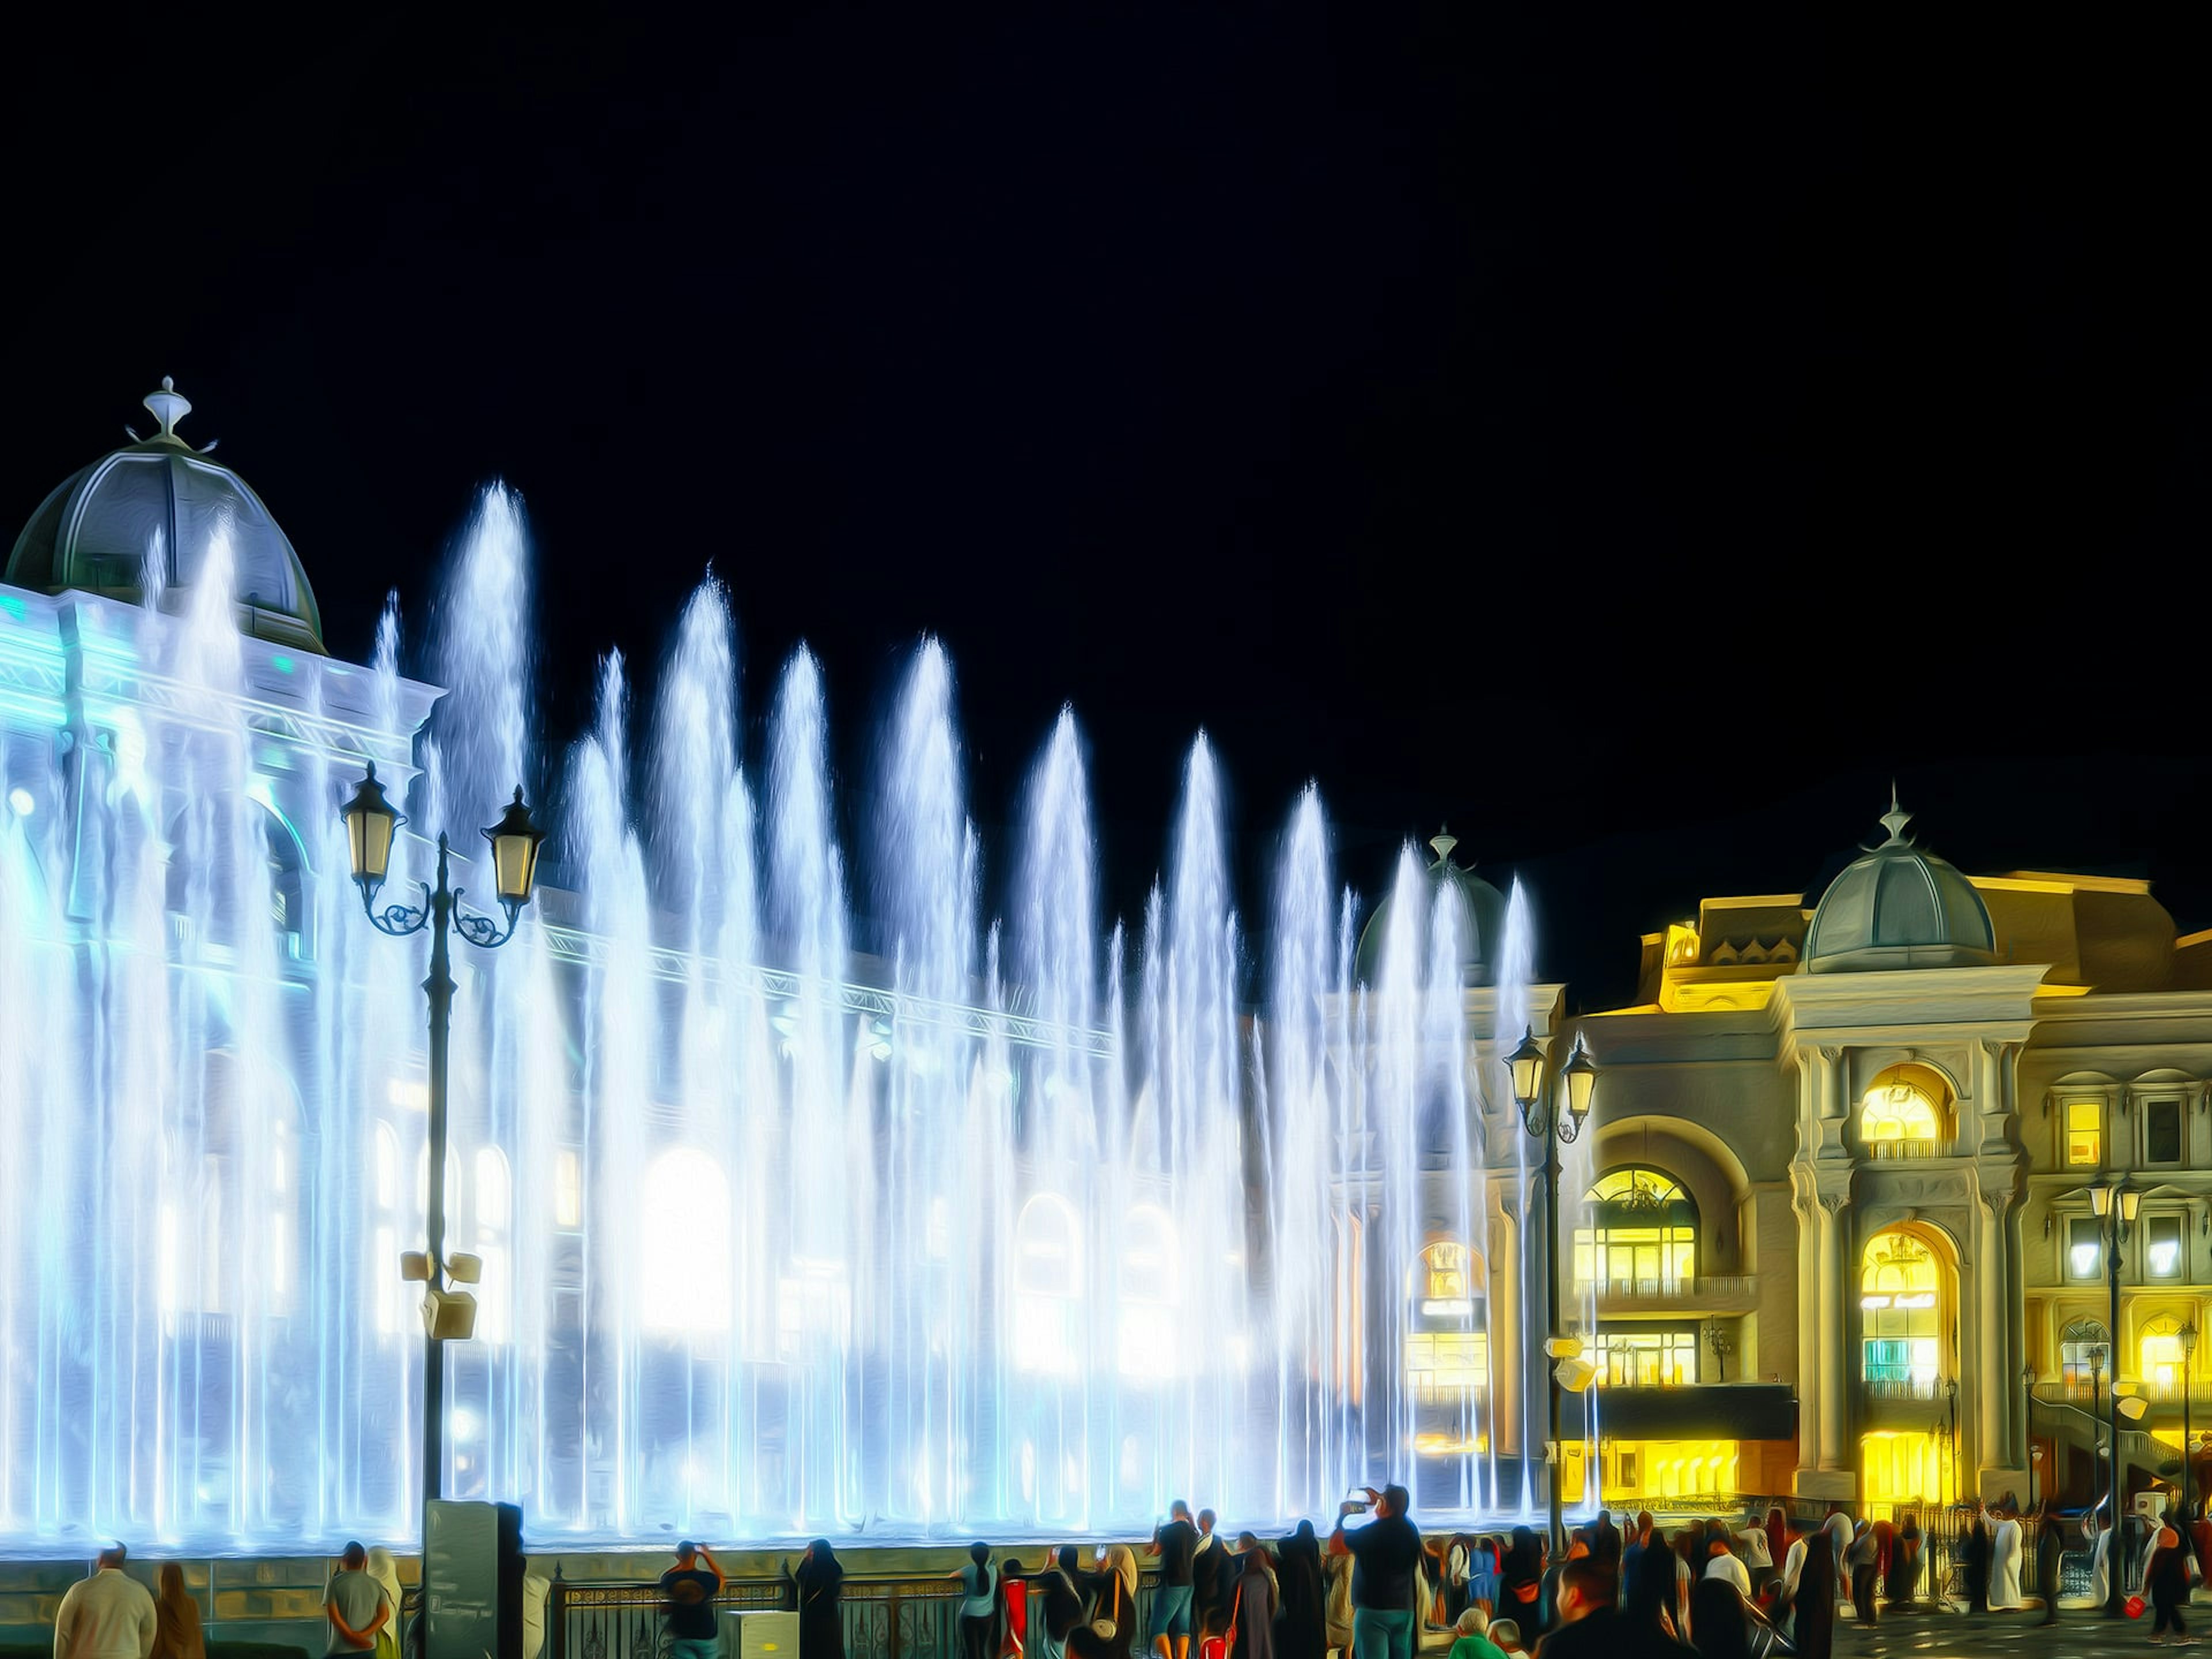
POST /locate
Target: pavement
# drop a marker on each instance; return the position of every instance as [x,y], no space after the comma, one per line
[1950,1634]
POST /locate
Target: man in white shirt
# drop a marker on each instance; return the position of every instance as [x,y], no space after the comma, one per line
[106,1616]
[1722,1564]
[1840,1532]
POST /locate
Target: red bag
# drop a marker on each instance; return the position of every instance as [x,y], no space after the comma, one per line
[1213,1647]
[2135,1606]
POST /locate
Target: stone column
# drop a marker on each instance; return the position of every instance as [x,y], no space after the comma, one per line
[1835,1453]
[1804,1203]
[1507,1362]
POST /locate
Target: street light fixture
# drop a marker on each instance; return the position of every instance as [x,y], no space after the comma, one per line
[372,824]
[2117,1220]
[1543,1118]
[2188,1339]
[2027,1427]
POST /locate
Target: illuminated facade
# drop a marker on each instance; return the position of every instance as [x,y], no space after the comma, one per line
[1887,1112]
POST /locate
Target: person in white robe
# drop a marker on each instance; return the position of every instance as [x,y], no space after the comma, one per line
[2005,1557]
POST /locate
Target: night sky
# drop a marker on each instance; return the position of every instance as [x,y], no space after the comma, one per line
[1634,440]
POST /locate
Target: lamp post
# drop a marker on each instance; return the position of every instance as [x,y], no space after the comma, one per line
[1543,1119]
[2115,1221]
[1716,1340]
[1951,1395]
[2188,1339]
[371,823]
[2027,1427]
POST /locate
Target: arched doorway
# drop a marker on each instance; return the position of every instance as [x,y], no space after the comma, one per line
[1907,1365]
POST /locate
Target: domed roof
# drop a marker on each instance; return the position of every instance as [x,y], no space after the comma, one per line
[160,498]
[1898,908]
[1481,918]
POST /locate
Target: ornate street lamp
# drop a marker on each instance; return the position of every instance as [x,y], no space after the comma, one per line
[2188,1339]
[2117,1220]
[371,823]
[1543,1117]
[2027,1426]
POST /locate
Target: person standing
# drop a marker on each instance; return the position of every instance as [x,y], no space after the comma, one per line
[1840,1533]
[1812,1624]
[1302,1620]
[979,1604]
[1253,1603]
[177,1633]
[1521,1582]
[688,1590]
[820,1581]
[385,1569]
[1213,1580]
[1386,1568]
[354,1605]
[2048,1547]
[1904,1572]
[1059,1604]
[2007,1556]
[108,1615]
[1175,1542]
[2166,1581]
[1591,1627]
[1861,1559]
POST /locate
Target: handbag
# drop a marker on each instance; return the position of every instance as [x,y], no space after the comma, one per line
[1104,1629]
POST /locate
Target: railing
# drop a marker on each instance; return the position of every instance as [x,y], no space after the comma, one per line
[1887,1149]
[1678,1285]
[894,1617]
[1906,1388]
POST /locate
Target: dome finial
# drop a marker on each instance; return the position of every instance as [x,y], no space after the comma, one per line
[168,406]
[1442,842]
[1896,818]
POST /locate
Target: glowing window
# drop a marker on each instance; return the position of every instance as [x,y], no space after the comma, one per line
[1898,1117]
[2085,1247]
[684,1256]
[2162,1255]
[1447,1365]
[1901,1316]
[1148,1338]
[1650,1360]
[2082,1350]
[567,1191]
[2085,1131]
[1446,1291]
[1048,1259]
[492,1203]
[1643,1237]
[2161,1350]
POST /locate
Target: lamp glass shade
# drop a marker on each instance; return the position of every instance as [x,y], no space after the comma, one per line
[2101,1200]
[1581,1073]
[370,822]
[2130,1202]
[514,841]
[1527,1065]
[2188,1337]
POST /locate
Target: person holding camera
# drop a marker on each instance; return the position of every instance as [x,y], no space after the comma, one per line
[1386,1573]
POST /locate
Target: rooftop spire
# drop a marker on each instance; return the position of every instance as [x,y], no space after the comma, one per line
[1896,818]
[1442,841]
[168,406]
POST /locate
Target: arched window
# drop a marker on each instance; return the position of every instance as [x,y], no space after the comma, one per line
[1643,1236]
[683,1254]
[1900,1308]
[1447,1353]
[1048,1288]
[2160,1347]
[1902,1115]
[2084,1355]
[1148,1337]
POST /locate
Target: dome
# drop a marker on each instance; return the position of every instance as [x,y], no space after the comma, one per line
[1898,908]
[1481,918]
[98,529]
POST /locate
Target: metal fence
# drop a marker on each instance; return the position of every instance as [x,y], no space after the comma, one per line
[884,1617]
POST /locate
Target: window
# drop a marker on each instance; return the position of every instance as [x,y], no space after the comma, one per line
[1650,1360]
[2082,1356]
[1899,1119]
[1444,1273]
[1447,1365]
[2085,1248]
[1447,1355]
[1643,1237]
[2163,1255]
[2162,1359]
[2085,1131]
[1047,1282]
[683,1255]
[2162,1132]
[1902,1318]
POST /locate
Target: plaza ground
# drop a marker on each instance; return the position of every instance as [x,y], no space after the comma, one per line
[1952,1634]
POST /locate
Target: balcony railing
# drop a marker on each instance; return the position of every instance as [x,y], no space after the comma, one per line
[1906,1388]
[1904,1149]
[1666,1287]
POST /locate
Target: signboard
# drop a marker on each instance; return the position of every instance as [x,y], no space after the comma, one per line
[471,1581]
